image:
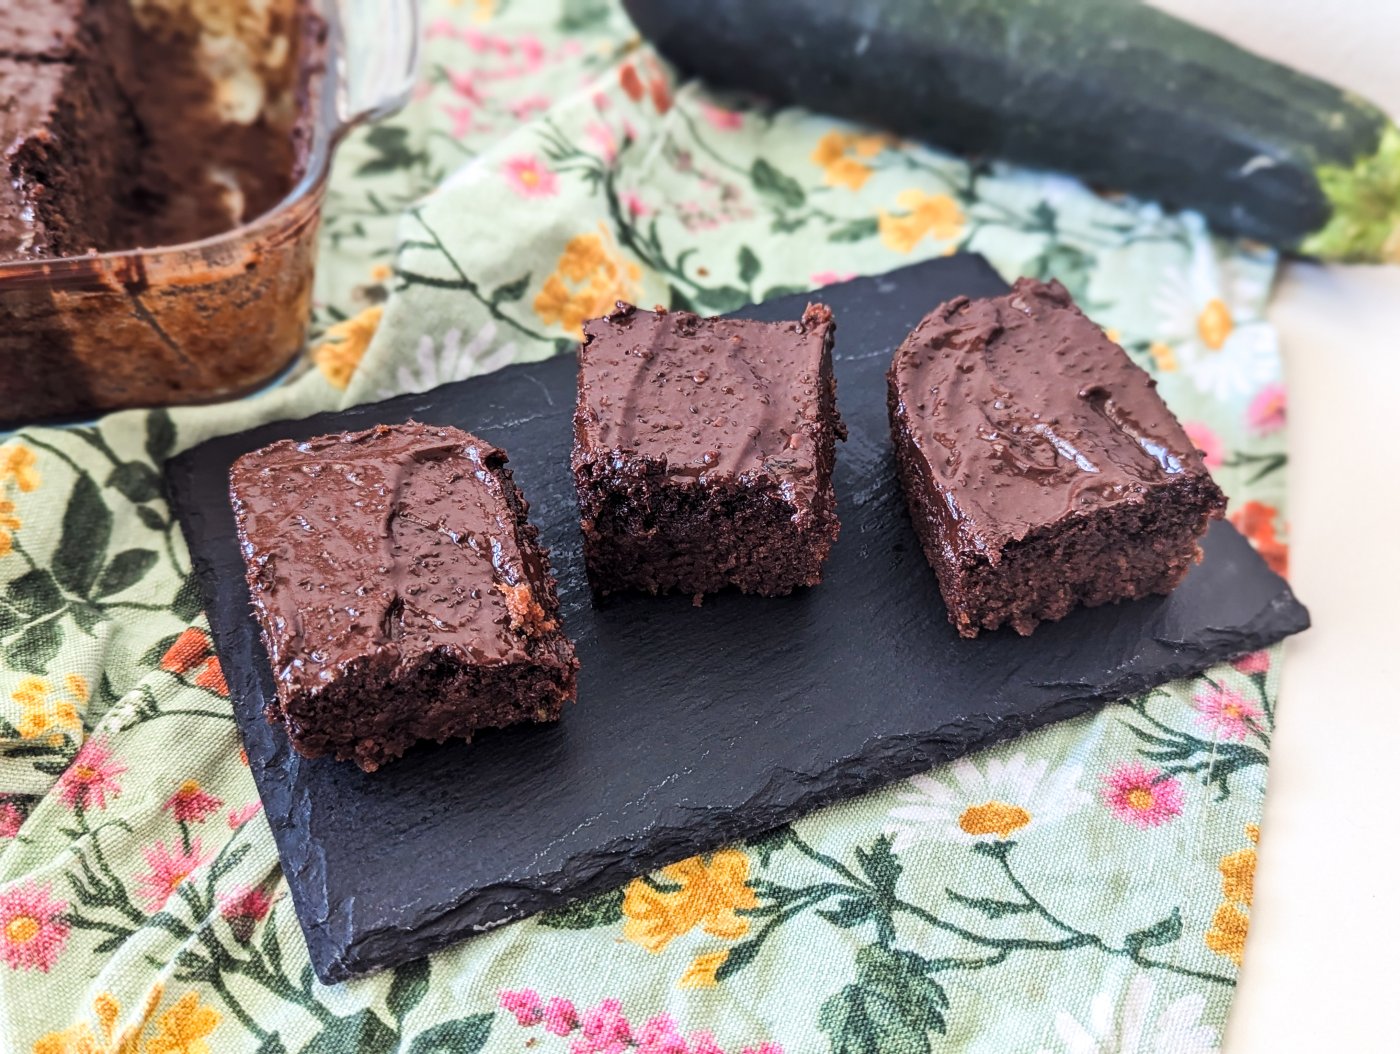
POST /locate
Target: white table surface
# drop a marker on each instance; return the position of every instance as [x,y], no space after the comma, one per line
[1322,962]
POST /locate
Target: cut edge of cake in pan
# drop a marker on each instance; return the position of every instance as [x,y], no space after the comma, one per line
[1041,468]
[401,590]
[703,451]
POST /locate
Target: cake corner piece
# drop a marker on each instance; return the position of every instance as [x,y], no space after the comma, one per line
[1042,470]
[401,592]
[703,451]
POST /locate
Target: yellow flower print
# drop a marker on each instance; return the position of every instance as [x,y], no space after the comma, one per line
[42,712]
[709,892]
[1230,925]
[9,523]
[994,817]
[1163,357]
[345,346]
[1215,324]
[836,154]
[17,464]
[701,973]
[924,214]
[1228,930]
[183,1028]
[588,279]
[81,1039]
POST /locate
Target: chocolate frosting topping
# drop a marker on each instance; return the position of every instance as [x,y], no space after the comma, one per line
[705,396]
[1027,414]
[391,538]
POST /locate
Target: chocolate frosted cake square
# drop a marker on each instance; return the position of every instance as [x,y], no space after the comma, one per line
[1041,468]
[703,451]
[401,591]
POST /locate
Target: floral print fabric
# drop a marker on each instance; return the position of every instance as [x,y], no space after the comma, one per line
[1084,888]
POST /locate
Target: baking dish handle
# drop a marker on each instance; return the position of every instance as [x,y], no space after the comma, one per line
[378,57]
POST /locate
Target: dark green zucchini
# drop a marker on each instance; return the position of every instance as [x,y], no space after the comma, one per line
[1115,92]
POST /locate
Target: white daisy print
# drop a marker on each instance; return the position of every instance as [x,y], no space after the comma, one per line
[969,803]
[1227,352]
[453,361]
[1118,1024]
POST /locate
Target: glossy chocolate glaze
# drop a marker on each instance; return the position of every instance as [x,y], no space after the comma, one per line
[1026,414]
[404,538]
[706,397]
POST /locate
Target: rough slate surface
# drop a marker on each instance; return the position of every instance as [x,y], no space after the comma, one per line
[694,727]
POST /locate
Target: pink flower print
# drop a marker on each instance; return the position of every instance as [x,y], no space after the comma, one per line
[440,27]
[603,140]
[11,819]
[660,1036]
[464,84]
[1254,662]
[529,178]
[1141,796]
[719,117]
[524,1004]
[169,866]
[243,909]
[605,1030]
[531,50]
[831,277]
[560,1017]
[1225,713]
[1268,410]
[522,108]
[704,1043]
[633,203]
[91,776]
[33,930]
[191,803]
[463,120]
[238,817]
[1207,442]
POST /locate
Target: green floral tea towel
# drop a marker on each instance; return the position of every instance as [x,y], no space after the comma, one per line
[1086,888]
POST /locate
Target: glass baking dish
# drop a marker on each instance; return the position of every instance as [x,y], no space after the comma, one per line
[211,319]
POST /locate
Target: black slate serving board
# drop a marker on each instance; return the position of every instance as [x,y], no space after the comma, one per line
[694,727]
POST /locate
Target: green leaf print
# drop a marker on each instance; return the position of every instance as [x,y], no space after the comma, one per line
[749,266]
[1164,932]
[272,1044]
[855,230]
[135,481]
[160,436]
[581,15]
[33,650]
[126,569]
[880,865]
[466,1035]
[779,186]
[989,906]
[722,299]
[603,910]
[408,988]
[360,1031]
[35,593]
[511,291]
[87,529]
[893,1004]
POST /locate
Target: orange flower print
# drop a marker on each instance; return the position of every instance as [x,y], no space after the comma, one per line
[345,345]
[837,155]
[1256,521]
[707,892]
[923,215]
[701,972]
[81,1039]
[45,710]
[588,279]
[9,524]
[17,463]
[631,82]
[1230,925]
[212,676]
[187,652]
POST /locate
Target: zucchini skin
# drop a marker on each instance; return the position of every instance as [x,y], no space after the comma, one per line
[1113,91]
